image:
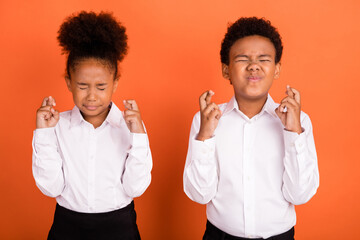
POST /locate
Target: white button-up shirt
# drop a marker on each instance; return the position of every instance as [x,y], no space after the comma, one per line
[252,172]
[91,170]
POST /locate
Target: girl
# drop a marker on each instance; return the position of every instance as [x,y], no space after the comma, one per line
[93,159]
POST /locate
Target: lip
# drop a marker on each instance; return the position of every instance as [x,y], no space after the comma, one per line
[254,78]
[90,107]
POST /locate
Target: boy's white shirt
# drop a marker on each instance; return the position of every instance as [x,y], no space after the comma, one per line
[252,172]
[91,170]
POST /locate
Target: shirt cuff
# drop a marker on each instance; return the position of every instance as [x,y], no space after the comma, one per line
[295,141]
[203,151]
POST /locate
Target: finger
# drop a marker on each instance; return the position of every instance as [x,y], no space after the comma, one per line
[44,102]
[51,101]
[204,98]
[278,112]
[215,114]
[132,119]
[288,106]
[209,96]
[289,92]
[131,104]
[211,107]
[56,115]
[296,95]
[48,101]
[44,114]
[291,101]
[130,112]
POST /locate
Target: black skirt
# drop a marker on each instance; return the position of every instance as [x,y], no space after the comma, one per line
[118,224]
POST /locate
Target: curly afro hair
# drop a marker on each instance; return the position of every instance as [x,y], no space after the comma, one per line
[244,27]
[90,35]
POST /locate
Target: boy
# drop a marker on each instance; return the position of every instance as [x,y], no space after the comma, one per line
[251,160]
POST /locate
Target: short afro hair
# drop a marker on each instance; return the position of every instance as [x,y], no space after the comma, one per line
[245,27]
[90,35]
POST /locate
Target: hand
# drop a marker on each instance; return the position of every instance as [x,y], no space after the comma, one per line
[46,115]
[210,115]
[132,117]
[289,110]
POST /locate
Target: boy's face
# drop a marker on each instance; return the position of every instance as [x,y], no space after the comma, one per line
[92,85]
[252,67]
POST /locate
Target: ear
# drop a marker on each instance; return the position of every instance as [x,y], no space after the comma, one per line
[115,84]
[277,70]
[68,83]
[225,71]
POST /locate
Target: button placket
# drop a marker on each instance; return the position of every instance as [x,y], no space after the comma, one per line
[91,168]
[249,184]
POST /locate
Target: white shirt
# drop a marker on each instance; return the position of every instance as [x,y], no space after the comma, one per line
[91,170]
[252,172]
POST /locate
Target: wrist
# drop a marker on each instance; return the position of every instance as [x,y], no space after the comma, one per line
[201,137]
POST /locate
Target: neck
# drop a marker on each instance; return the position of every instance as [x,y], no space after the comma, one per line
[250,107]
[97,120]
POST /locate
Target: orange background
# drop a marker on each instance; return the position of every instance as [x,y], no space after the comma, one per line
[173,58]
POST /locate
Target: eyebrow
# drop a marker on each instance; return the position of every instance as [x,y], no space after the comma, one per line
[265,55]
[85,84]
[246,56]
[241,55]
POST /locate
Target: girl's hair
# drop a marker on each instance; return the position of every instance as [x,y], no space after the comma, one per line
[90,35]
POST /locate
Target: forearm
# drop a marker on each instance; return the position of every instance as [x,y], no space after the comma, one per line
[301,175]
[47,163]
[200,173]
[137,175]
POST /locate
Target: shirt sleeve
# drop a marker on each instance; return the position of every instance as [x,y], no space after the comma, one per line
[301,175]
[138,165]
[200,177]
[47,162]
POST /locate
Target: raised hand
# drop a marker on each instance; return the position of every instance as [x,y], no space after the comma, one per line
[289,110]
[132,117]
[46,115]
[210,115]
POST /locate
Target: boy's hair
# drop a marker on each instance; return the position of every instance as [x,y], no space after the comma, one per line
[244,27]
[90,35]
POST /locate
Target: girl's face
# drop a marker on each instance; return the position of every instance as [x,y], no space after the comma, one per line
[92,85]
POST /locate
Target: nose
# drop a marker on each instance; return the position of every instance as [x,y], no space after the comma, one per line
[91,96]
[253,66]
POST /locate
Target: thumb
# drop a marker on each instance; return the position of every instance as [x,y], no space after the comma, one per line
[278,112]
[56,115]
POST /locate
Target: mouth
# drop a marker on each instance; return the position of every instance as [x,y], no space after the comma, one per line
[254,78]
[90,107]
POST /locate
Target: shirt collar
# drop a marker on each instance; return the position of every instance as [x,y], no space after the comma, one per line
[114,117]
[269,106]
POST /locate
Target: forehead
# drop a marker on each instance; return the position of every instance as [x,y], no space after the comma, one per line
[92,69]
[253,45]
